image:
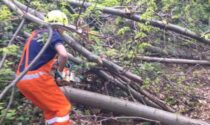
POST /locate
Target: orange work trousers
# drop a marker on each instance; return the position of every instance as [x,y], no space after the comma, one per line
[45,94]
[40,87]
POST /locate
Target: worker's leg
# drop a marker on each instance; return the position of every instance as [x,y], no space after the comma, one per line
[25,88]
[44,93]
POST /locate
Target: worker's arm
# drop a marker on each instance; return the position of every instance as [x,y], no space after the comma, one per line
[62,56]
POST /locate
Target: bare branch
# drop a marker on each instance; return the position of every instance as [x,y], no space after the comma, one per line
[80,11]
[127,117]
[11,40]
[8,106]
[172,60]
[122,85]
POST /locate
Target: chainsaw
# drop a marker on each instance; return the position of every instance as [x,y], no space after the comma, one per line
[67,75]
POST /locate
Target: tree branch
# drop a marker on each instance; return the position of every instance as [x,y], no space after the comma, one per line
[123,86]
[172,60]
[11,40]
[155,23]
[8,106]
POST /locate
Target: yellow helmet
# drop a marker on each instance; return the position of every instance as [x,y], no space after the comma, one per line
[56,16]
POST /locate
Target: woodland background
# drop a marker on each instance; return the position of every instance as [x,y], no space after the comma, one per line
[130,44]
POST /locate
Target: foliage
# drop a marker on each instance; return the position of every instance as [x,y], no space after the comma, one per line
[188,13]
[4,13]
[10,50]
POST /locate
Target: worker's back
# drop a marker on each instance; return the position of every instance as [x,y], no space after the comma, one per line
[36,45]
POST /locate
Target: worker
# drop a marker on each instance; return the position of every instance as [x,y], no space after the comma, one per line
[37,84]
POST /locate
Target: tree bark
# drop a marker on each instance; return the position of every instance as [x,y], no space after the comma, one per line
[127,108]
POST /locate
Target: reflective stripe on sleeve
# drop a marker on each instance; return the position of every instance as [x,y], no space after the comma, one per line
[58,119]
[32,76]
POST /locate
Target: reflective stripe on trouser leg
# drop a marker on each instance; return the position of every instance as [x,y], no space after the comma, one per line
[58,119]
[44,93]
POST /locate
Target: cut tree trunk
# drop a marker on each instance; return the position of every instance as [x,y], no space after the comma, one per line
[127,108]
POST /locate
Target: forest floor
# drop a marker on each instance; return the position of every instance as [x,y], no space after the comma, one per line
[192,93]
[202,109]
[185,88]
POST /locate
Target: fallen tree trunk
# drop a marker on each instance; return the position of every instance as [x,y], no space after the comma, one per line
[135,17]
[172,60]
[127,108]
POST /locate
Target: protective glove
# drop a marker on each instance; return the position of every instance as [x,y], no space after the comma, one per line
[66,74]
[63,76]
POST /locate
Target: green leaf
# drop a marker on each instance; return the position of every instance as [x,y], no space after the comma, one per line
[111,52]
[123,30]
[11,50]
[4,13]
